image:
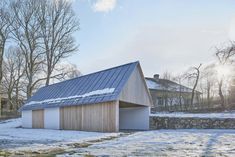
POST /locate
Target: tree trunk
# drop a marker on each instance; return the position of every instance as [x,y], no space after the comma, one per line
[48,77]
[195,86]
[0,105]
[9,103]
[0,102]
[29,92]
[17,95]
[208,96]
[47,80]
[29,88]
[192,97]
[221,94]
[180,96]
[1,74]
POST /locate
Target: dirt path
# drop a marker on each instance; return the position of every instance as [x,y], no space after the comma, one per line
[69,148]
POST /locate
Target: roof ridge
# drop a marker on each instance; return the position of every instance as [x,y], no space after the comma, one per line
[136,62]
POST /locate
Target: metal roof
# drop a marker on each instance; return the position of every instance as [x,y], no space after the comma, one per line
[113,78]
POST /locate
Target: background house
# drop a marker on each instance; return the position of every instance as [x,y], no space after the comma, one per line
[106,101]
[170,96]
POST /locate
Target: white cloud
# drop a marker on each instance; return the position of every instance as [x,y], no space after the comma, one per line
[160,49]
[104,5]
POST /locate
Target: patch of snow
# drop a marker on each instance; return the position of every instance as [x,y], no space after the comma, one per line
[170,87]
[57,100]
[13,137]
[183,143]
[99,92]
[195,115]
[153,85]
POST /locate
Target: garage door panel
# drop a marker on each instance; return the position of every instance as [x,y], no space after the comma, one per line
[95,117]
[71,118]
[38,118]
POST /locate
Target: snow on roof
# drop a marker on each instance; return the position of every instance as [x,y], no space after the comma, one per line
[76,97]
[153,85]
[98,87]
[166,85]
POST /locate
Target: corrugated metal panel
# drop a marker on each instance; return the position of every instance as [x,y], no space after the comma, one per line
[111,78]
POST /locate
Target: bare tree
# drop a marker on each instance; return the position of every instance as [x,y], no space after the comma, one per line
[26,33]
[13,72]
[71,72]
[9,68]
[20,73]
[179,78]
[208,76]
[167,90]
[224,57]
[57,24]
[167,75]
[5,30]
[194,73]
[65,71]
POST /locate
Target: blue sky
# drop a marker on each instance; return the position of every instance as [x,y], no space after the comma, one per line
[164,35]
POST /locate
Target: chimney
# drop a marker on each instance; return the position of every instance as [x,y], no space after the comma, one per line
[156,77]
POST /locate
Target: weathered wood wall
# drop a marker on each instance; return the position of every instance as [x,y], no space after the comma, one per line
[103,117]
[135,90]
[38,119]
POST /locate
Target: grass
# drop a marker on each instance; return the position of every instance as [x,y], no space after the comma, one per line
[4,153]
[44,153]
[52,152]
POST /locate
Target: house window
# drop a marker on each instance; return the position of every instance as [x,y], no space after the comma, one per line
[159,101]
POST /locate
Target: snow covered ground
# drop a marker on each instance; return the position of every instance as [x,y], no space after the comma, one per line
[166,143]
[188,142]
[199,115]
[12,137]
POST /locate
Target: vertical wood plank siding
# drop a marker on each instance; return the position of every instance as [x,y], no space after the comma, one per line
[135,90]
[101,117]
[38,118]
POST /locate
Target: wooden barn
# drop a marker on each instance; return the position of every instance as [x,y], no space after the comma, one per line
[105,101]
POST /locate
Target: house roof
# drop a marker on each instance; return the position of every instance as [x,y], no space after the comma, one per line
[166,85]
[93,88]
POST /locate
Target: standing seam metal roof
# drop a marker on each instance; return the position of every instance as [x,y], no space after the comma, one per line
[110,78]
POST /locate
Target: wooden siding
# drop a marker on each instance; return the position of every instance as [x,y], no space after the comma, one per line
[38,118]
[135,90]
[101,117]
